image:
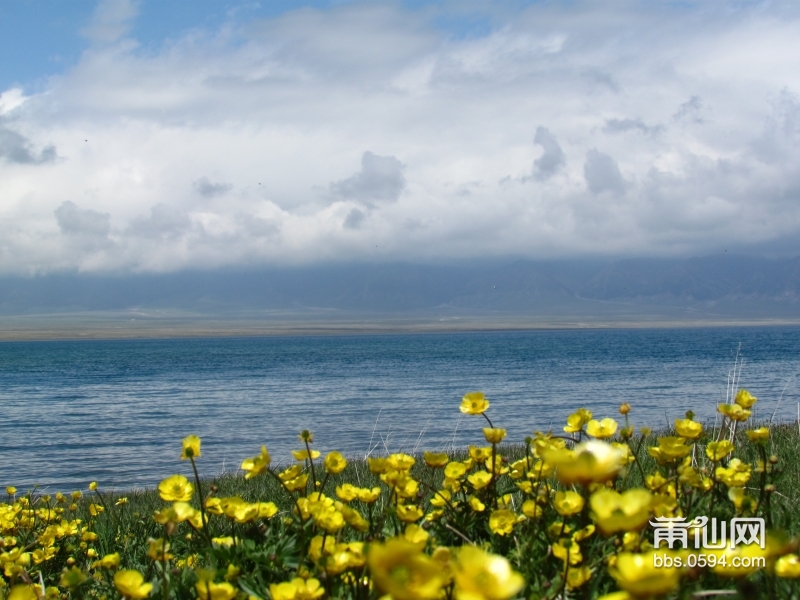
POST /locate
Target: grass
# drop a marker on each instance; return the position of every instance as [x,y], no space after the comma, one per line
[319,539]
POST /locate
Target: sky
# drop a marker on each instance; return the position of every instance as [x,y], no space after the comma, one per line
[153,136]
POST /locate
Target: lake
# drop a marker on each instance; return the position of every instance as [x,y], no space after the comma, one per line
[116,411]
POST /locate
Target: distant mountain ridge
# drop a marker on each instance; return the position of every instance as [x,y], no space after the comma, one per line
[700,279]
[733,283]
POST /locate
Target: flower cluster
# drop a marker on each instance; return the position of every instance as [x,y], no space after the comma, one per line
[571,513]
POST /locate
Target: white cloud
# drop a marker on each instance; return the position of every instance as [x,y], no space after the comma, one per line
[111,20]
[11,99]
[380,179]
[365,132]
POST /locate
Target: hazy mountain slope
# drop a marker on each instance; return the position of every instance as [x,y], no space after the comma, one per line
[513,287]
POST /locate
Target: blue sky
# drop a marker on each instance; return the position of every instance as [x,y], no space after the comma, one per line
[39,38]
[144,136]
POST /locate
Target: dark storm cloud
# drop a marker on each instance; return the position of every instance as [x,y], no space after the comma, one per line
[553,157]
[73,220]
[164,221]
[602,173]
[354,219]
[691,110]
[208,190]
[15,148]
[380,179]
[625,125]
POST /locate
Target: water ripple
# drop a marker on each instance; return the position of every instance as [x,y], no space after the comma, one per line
[115,411]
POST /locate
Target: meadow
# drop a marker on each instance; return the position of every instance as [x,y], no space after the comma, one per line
[572,513]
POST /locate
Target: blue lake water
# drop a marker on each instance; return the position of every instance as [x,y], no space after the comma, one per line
[116,411]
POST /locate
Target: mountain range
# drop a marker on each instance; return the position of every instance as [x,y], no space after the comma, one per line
[727,285]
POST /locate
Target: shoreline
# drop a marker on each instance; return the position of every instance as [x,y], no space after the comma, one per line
[113,327]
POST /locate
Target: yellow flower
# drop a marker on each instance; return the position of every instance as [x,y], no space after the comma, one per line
[191,447]
[476,504]
[435,460]
[638,575]
[257,464]
[479,455]
[130,583]
[225,542]
[283,591]
[567,549]
[308,589]
[455,470]
[335,462]
[583,534]
[734,559]
[686,428]
[290,473]
[482,576]
[663,505]
[232,572]
[480,479]
[531,510]
[175,489]
[759,435]
[592,461]
[745,399]
[178,513]
[494,435]
[474,403]
[297,589]
[400,569]
[305,454]
[11,490]
[109,561]
[316,550]
[669,449]
[93,486]
[378,465]
[347,492]
[737,474]
[368,496]
[443,557]
[329,519]
[408,513]
[601,429]
[716,451]
[22,592]
[734,412]
[788,566]
[502,521]
[577,576]
[401,462]
[208,590]
[440,498]
[416,535]
[296,484]
[266,510]
[568,503]
[158,549]
[624,408]
[615,512]
[577,420]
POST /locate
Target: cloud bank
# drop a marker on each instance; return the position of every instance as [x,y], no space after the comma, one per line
[368,132]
